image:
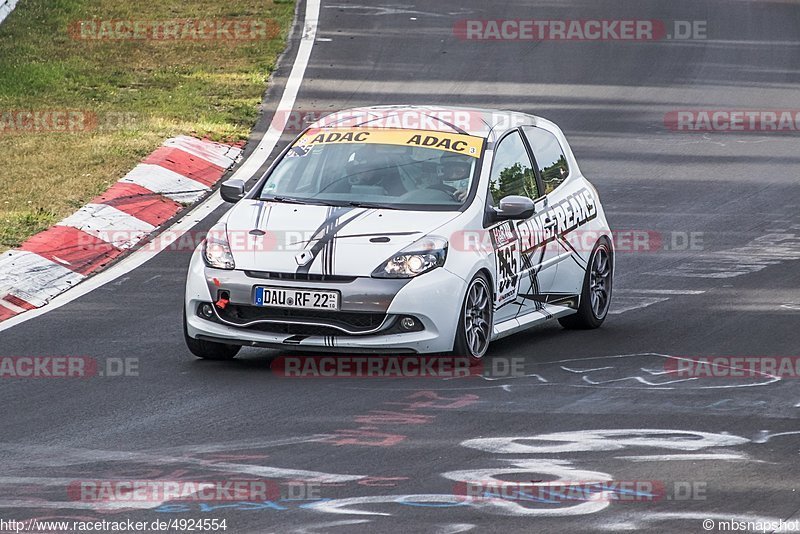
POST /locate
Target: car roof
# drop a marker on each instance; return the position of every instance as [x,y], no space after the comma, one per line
[480,122]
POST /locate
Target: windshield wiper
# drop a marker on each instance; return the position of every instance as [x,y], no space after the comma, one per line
[353,203]
[374,205]
[293,200]
[287,200]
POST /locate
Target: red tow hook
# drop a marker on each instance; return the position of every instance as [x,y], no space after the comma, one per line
[223,300]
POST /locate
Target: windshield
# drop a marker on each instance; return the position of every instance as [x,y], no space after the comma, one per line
[396,169]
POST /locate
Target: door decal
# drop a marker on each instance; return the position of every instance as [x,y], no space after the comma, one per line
[506,246]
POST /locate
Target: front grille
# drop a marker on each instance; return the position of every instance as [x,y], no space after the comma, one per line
[323,321]
[300,277]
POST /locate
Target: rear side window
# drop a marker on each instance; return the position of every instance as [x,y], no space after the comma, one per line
[549,157]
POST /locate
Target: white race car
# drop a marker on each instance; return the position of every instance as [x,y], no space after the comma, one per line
[404,230]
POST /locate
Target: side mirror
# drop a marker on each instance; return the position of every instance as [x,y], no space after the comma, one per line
[232,191]
[515,207]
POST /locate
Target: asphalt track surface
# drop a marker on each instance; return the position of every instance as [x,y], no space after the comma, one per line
[613,415]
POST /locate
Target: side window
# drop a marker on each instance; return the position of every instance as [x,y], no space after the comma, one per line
[512,172]
[549,157]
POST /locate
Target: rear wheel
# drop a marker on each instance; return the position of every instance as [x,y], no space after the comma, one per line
[596,292]
[208,350]
[475,322]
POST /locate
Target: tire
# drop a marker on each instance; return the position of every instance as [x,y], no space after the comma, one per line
[476,317]
[596,292]
[208,350]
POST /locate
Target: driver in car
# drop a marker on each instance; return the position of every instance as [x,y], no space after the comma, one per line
[456,171]
[453,171]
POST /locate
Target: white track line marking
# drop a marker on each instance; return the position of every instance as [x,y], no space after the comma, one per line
[286,104]
[202,210]
[6,7]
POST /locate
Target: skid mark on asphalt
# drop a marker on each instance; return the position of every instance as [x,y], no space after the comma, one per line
[764,435]
[645,370]
[766,250]
[731,405]
[688,444]
[638,371]
[736,456]
[20,463]
[621,305]
[662,291]
[455,528]
[23,489]
[625,300]
[323,527]
[604,440]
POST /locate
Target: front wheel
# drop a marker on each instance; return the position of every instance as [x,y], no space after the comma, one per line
[475,323]
[208,350]
[596,292]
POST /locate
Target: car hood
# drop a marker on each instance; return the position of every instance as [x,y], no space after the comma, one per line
[308,239]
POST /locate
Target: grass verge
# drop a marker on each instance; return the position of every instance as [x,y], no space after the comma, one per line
[126,92]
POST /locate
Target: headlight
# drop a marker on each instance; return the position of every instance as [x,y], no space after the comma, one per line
[417,258]
[217,249]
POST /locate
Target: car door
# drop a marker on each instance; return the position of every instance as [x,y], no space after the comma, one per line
[522,275]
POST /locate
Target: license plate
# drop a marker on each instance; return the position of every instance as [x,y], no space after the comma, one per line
[282,297]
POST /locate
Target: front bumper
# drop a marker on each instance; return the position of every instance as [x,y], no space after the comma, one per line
[433,298]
